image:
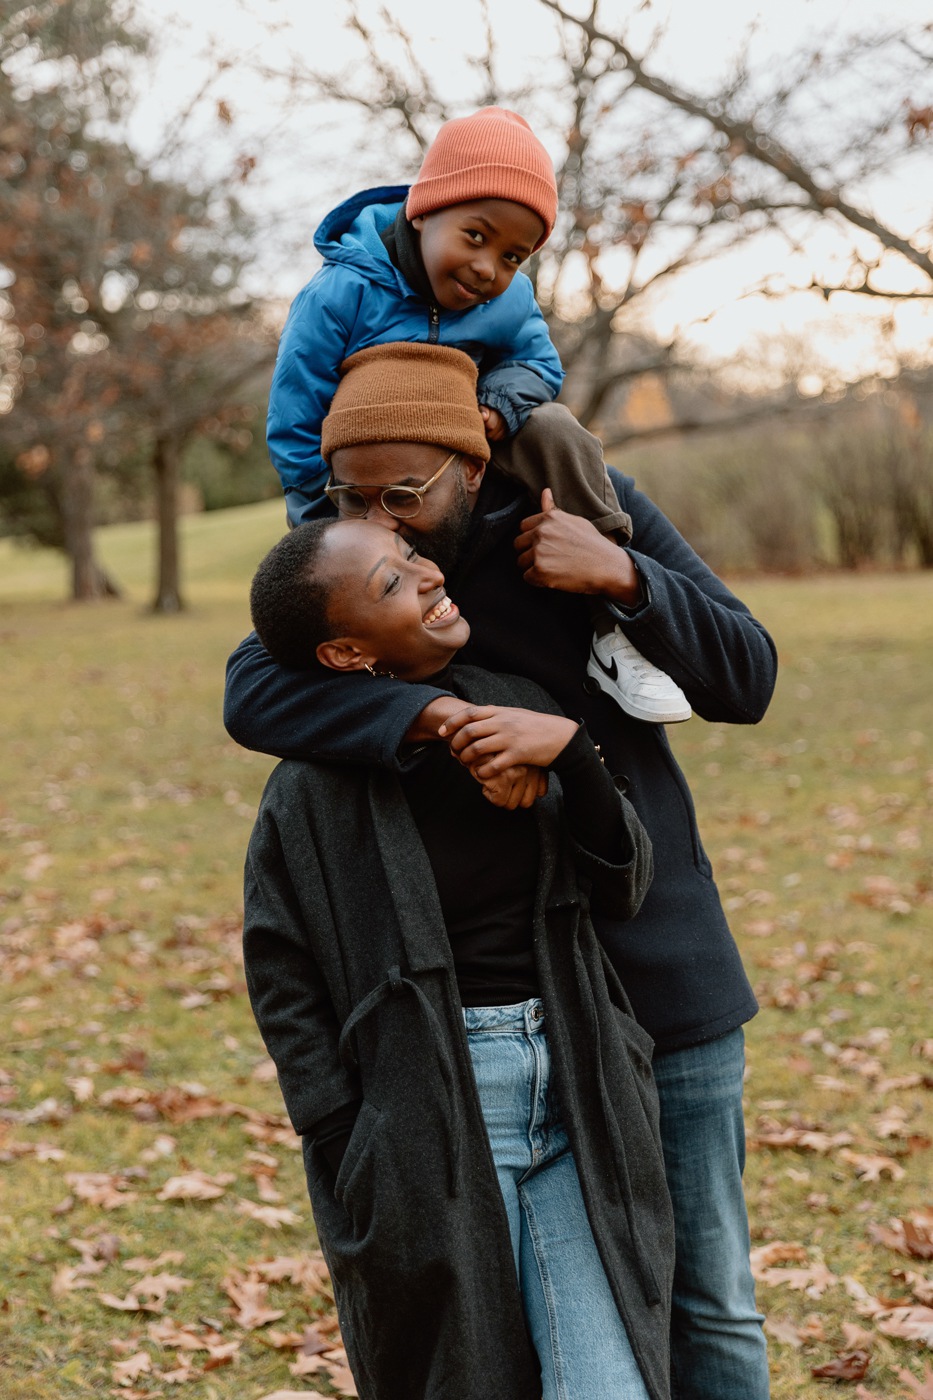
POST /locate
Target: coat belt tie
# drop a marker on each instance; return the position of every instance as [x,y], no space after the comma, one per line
[394,985]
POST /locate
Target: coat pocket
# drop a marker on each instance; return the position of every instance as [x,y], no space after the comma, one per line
[354,1179]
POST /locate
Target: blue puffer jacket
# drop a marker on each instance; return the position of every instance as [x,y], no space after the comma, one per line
[358,299]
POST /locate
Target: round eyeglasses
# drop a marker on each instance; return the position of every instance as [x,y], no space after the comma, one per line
[403,502]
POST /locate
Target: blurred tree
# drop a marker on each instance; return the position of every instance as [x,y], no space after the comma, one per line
[655,180]
[126,325]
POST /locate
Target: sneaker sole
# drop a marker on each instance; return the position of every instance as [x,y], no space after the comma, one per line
[595,671]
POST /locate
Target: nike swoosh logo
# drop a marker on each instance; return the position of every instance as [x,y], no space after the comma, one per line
[610,671]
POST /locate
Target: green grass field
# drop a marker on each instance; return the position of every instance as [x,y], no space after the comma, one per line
[131,1060]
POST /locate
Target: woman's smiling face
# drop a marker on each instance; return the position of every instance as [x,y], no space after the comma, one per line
[388,605]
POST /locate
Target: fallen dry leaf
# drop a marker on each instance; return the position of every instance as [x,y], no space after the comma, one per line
[293,1395]
[911,1235]
[125,1372]
[847,1366]
[857,1338]
[249,1295]
[195,1186]
[813,1280]
[777,1252]
[274,1217]
[306,1271]
[914,1324]
[101,1189]
[783,1331]
[140,1265]
[922,1388]
[871,1166]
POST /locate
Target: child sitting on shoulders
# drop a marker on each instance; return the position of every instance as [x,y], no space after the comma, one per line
[437,263]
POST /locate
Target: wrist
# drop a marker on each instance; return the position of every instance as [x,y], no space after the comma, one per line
[423,728]
[622,582]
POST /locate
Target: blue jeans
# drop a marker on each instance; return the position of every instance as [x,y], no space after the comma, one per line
[572,1316]
[717,1345]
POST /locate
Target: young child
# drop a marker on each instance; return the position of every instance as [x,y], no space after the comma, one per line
[437,263]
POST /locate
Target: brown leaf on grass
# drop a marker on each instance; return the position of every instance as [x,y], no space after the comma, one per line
[812,1280]
[195,1186]
[913,1324]
[922,1388]
[306,1271]
[282,1135]
[341,1378]
[777,1252]
[101,1189]
[847,1366]
[783,1331]
[909,1235]
[804,1139]
[293,1395]
[273,1217]
[872,1166]
[308,1366]
[857,1338]
[180,1376]
[169,1334]
[249,1296]
[920,1286]
[187,1103]
[69,1277]
[125,1372]
[283,1341]
[140,1265]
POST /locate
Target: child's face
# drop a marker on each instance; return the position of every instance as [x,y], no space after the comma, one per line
[393,609]
[472,251]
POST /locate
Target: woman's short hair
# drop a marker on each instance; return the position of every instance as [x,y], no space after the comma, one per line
[289,599]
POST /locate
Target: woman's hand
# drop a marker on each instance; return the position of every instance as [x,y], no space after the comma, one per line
[488,739]
[516,787]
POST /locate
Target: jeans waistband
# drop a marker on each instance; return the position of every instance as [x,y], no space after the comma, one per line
[524,1018]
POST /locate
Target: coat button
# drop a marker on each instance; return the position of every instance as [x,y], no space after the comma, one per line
[622,782]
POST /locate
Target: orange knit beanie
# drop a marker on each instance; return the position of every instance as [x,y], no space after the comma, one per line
[406,392]
[493,154]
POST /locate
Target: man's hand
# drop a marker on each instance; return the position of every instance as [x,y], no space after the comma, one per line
[490,739]
[496,426]
[557,550]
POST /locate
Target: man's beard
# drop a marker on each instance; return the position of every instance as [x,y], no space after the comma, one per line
[445,542]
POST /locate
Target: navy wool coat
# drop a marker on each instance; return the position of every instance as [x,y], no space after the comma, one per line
[352,983]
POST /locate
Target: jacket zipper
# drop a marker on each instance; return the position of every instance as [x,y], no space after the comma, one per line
[434,329]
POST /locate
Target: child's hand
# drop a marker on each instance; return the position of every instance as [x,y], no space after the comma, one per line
[491,738]
[496,427]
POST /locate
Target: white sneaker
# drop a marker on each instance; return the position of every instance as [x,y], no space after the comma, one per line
[636,686]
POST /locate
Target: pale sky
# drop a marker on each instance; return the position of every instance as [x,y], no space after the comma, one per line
[301,181]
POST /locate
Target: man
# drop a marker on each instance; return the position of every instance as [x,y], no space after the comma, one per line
[521,575]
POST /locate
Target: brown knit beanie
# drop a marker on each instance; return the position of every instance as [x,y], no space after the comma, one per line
[494,154]
[405,392]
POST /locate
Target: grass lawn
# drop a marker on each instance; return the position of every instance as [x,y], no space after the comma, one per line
[155,1235]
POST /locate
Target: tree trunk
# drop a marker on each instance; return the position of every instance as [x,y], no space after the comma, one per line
[165,460]
[88,580]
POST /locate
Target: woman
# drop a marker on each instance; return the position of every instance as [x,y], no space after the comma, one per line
[475,1099]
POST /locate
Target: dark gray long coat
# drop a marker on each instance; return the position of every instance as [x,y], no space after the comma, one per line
[352,983]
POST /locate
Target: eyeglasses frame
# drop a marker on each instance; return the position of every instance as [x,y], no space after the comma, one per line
[332,491]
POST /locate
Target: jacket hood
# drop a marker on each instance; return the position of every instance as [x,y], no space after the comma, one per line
[352,234]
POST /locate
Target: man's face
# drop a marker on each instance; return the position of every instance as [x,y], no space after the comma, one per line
[472,251]
[440,527]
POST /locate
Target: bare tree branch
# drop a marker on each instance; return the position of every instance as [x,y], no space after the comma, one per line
[748,139]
